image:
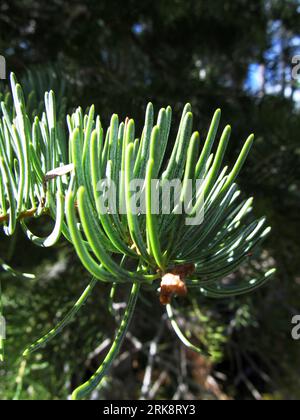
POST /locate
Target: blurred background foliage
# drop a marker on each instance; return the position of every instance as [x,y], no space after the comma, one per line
[236,55]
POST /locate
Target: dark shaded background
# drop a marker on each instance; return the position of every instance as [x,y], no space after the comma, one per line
[236,55]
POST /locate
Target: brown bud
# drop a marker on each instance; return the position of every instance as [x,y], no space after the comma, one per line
[171,284]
